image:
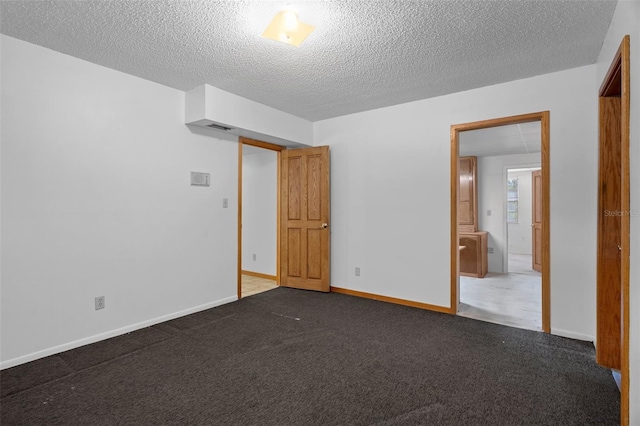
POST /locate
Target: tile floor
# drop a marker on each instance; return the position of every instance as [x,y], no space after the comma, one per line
[521,264]
[253,285]
[513,299]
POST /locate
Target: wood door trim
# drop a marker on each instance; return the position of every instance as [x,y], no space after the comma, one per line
[239,266]
[497,122]
[389,299]
[625,225]
[543,117]
[453,208]
[262,144]
[278,212]
[611,83]
[272,147]
[617,83]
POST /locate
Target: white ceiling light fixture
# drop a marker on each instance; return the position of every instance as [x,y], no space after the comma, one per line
[287,28]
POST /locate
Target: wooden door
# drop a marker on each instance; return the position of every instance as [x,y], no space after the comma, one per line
[609,267]
[536,217]
[305,234]
[614,211]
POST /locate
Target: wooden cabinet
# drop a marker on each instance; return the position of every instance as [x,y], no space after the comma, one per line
[473,257]
[473,243]
[468,195]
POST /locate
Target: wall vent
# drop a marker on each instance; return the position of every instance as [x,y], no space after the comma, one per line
[219,127]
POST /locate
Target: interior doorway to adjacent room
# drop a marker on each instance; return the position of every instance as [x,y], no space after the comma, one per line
[523,211]
[302,216]
[258,242]
[499,237]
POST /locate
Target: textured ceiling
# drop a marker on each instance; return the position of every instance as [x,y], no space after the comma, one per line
[362,55]
[503,140]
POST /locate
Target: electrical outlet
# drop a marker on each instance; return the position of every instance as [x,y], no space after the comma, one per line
[99,302]
[254,256]
[357,271]
[490,250]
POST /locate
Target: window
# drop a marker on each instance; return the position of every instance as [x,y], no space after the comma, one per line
[512,200]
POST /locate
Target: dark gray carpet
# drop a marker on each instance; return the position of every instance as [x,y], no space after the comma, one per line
[292,357]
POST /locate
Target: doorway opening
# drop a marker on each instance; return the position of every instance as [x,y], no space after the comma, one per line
[508,291]
[522,216]
[484,199]
[258,216]
[302,225]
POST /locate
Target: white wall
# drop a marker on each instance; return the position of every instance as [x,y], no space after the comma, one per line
[626,20]
[259,209]
[519,233]
[492,196]
[391,196]
[96,201]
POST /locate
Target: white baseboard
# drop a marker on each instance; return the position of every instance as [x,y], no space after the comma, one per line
[113,333]
[572,335]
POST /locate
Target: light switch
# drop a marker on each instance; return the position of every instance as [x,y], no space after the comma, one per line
[225,203]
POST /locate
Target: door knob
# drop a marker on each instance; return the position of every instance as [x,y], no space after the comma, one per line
[324,226]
